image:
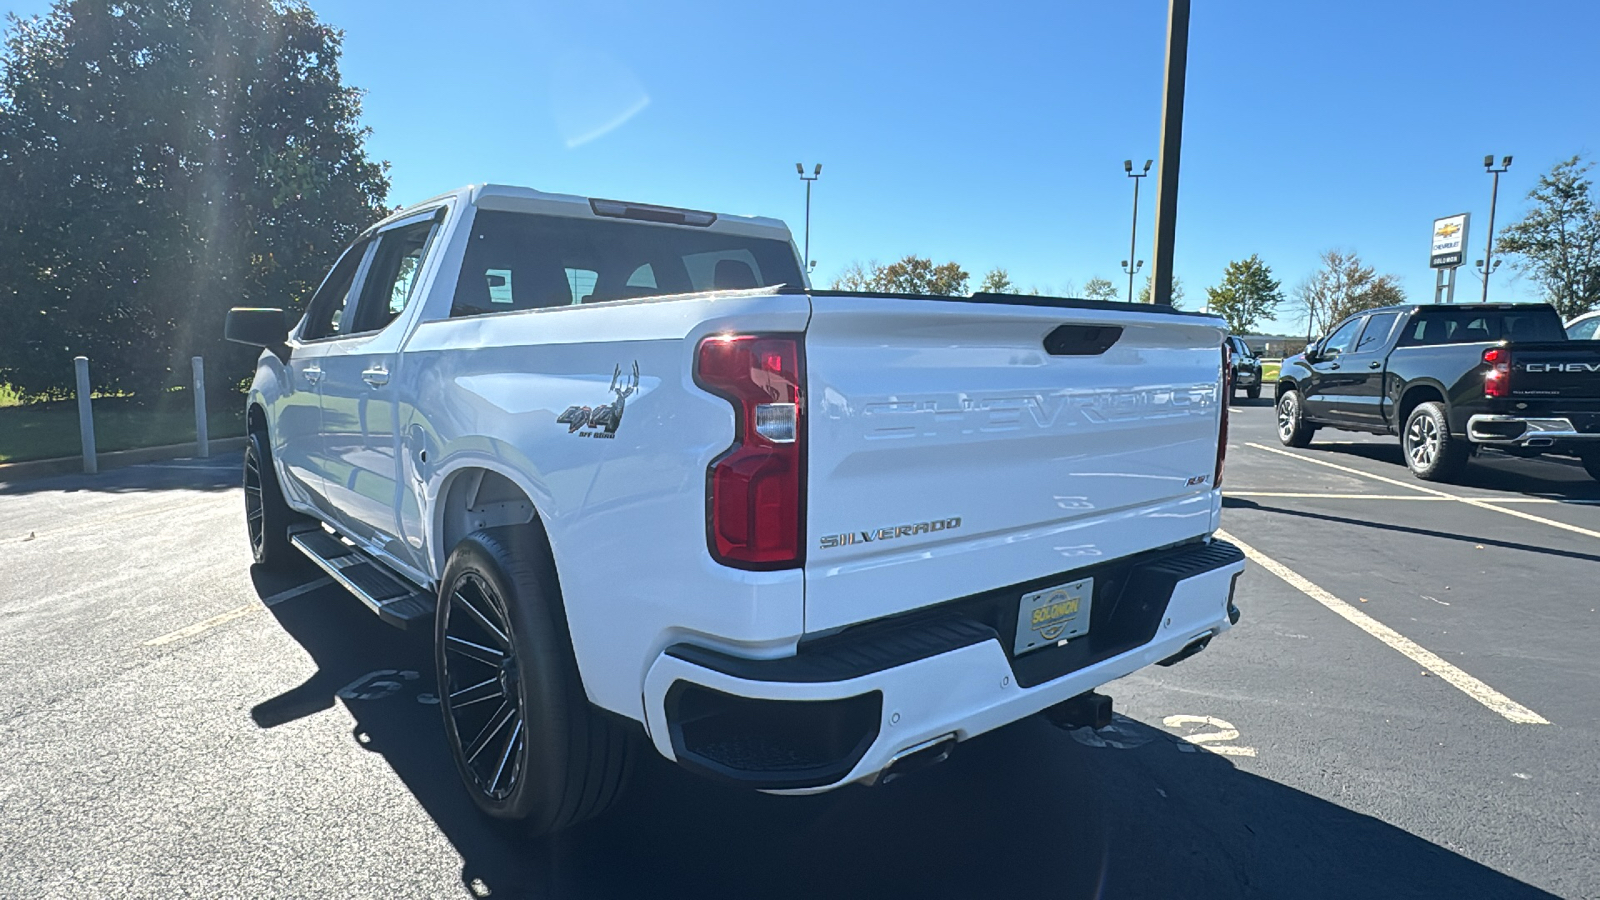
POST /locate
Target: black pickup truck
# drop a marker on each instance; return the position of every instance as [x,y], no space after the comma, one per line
[1449,380]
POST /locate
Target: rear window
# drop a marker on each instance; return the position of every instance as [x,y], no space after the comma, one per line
[519,261]
[1470,326]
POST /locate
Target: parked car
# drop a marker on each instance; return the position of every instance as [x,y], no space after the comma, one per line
[1448,380]
[1246,368]
[645,485]
[1585,327]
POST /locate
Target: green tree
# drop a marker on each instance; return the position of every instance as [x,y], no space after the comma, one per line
[162,161]
[911,274]
[1558,240]
[1248,293]
[1098,288]
[1343,287]
[1177,291]
[998,281]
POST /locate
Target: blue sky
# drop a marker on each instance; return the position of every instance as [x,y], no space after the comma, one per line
[993,134]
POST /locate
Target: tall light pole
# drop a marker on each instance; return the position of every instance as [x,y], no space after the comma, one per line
[1488,261]
[1131,265]
[815,174]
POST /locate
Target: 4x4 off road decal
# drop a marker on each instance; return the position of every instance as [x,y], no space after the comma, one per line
[603,418]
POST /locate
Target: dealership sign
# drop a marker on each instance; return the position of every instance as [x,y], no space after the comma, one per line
[1449,242]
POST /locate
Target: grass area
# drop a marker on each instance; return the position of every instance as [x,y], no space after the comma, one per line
[8,396]
[46,430]
[1269,372]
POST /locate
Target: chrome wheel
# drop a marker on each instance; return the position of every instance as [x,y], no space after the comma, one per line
[1288,415]
[254,509]
[1422,441]
[482,689]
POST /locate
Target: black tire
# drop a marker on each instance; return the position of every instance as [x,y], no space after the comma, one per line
[1254,393]
[1591,463]
[525,739]
[267,516]
[1431,452]
[1292,428]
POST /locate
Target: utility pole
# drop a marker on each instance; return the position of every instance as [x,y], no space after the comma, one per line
[1488,261]
[1171,147]
[815,174]
[1131,265]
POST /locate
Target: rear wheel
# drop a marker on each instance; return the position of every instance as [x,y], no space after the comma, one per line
[1254,393]
[1432,453]
[1292,428]
[1591,463]
[525,739]
[267,516]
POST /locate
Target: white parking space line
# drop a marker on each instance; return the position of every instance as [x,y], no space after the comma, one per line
[239,613]
[1470,501]
[1472,687]
[1315,496]
[1312,495]
[294,592]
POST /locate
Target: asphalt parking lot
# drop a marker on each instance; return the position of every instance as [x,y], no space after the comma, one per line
[1410,707]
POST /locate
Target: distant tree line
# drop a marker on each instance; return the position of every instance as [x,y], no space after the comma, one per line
[160,162]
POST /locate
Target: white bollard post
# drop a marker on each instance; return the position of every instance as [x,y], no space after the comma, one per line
[91,463]
[202,440]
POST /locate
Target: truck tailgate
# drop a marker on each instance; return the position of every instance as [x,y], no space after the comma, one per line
[950,453]
[1556,375]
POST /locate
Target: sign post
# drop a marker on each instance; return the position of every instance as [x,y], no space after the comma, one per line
[1448,253]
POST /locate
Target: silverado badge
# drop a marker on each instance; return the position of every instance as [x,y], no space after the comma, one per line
[606,418]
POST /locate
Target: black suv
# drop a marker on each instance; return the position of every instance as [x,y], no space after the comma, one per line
[1246,368]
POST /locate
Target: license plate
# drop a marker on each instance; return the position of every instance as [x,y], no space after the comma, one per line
[1247,377]
[1048,617]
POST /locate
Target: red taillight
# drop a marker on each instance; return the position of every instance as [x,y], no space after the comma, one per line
[1497,381]
[753,491]
[1222,427]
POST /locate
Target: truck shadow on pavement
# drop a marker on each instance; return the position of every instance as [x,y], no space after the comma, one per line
[1025,811]
[1477,540]
[219,473]
[1553,477]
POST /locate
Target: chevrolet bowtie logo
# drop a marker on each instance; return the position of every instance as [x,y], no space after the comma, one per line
[1447,229]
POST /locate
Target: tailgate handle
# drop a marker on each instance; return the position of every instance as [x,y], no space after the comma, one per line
[1081,340]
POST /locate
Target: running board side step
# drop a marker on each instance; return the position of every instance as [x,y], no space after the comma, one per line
[396,601]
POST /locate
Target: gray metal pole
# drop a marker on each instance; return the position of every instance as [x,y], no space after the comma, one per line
[806,263]
[1171,147]
[1488,249]
[202,440]
[1450,289]
[91,463]
[1133,236]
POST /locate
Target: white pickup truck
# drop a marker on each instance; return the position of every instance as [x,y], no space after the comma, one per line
[646,485]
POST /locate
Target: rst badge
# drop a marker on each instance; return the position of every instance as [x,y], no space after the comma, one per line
[602,419]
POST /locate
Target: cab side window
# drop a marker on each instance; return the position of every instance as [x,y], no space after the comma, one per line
[1343,338]
[391,282]
[327,310]
[1376,332]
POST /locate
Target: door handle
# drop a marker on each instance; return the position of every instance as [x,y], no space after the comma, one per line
[313,374]
[1333,365]
[376,376]
[1375,365]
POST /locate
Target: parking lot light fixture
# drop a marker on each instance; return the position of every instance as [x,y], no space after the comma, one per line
[1489,263]
[815,174]
[1133,237]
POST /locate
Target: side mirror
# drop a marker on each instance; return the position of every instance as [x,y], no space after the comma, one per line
[256,327]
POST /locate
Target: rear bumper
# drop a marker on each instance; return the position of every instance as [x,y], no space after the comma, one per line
[844,708]
[1521,431]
